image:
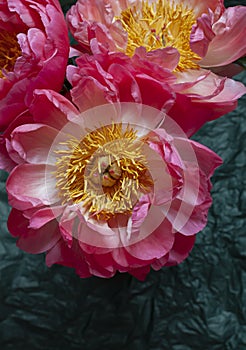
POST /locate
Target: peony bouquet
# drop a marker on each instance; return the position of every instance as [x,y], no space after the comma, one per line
[103,175]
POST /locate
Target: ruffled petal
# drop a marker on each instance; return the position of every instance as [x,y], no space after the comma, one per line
[167,58]
[207,160]
[12,101]
[140,273]
[51,108]
[203,6]
[95,19]
[61,254]
[32,241]
[40,240]
[17,223]
[94,94]
[188,211]
[201,35]
[6,163]
[30,186]
[155,245]
[229,42]
[33,142]
[43,60]
[44,215]
[203,96]
[181,249]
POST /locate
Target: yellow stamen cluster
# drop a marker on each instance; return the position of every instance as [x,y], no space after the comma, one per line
[106,171]
[9,51]
[161,24]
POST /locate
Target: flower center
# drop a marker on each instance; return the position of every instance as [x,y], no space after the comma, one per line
[9,51]
[106,171]
[160,24]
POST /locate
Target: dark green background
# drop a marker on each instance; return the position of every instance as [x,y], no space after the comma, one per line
[198,305]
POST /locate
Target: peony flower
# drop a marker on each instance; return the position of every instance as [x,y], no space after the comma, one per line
[184,36]
[203,32]
[33,54]
[118,187]
[114,77]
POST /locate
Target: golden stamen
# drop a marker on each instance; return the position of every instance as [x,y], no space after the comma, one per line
[161,24]
[9,51]
[106,171]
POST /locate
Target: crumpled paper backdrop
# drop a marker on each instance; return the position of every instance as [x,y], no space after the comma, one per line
[198,305]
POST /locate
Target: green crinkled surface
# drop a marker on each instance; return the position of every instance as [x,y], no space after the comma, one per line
[198,305]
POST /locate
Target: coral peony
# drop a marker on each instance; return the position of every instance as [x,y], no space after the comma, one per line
[118,187]
[115,77]
[184,36]
[33,54]
[203,32]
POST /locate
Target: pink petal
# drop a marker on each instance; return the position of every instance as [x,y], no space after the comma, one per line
[201,35]
[96,267]
[12,101]
[31,185]
[229,42]
[6,163]
[207,160]
[231,92]
[128,87]
[92,19]
[188,211]
[10,21]
[43,216]
[144,225]
[44,55]
[40,240]
[118,35]
[154,93]
[33,142]
[155,245]
[71,257]
[52,109]
[167,58]
[229,70]
[123,260]
[190,116]
[93,237]
[140,273]
[205,84]
[32,44]
[159,263]
[203,6]
[17,223]
[32,241]
[60,254]
[13,155]
[94,10]
[205,97]
[181,249]
[56,52]
[26,13]
[108,37]
[94,94]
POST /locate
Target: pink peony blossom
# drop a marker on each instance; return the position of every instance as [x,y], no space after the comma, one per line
[191,98]
[33,54]
[118,187]
[183,36]
[202,31]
